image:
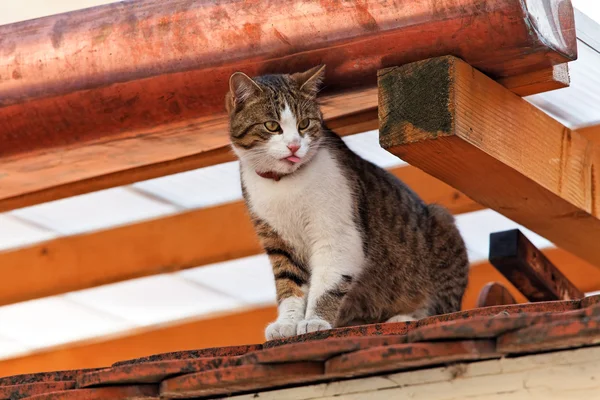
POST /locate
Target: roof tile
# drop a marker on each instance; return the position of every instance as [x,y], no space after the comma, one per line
[554,336]
[409,355]
[15,392]
[485,326]
[331,347]
[396,328]
[202,353]
[153,371]
[470,335]
[238,379]
[141,392]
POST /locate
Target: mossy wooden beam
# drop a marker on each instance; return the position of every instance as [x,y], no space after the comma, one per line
[453,122]
[528,269]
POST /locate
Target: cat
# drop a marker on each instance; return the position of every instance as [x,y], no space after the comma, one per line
[349,243]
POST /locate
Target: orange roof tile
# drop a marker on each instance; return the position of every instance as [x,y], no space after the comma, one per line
[483,333]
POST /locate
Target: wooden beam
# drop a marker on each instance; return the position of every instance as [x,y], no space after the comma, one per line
[591,133]
[583,275]
[37,178]
[216,331]
[101,97]
[167,244]
[545,80]
[455,123]
[528,269]
[40,177]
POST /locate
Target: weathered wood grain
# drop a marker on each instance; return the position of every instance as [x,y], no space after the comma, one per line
[453,122]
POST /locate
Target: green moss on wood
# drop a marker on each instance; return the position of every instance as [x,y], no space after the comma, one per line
[415,101]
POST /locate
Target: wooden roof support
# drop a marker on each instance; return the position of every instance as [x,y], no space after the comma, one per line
[129,91]
[545,80]
[455,123]
[217,330]
[591,133]
[166,244]
[528,269]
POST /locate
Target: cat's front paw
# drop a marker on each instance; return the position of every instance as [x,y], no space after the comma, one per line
[312,325]
[280,330]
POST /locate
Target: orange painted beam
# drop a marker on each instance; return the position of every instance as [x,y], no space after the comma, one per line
[497,148]
[166,244]
[244,327]
[591,133]
[127,91]
[544,80]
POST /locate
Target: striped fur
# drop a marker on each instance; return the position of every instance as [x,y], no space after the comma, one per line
[348,242]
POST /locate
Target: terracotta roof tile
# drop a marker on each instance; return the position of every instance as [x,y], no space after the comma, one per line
[154,371]
[554,336]
[328,348]
[478,334]
[15,392]
[396,328]
[138,392]
[202,353]
[409,355]
[239,379]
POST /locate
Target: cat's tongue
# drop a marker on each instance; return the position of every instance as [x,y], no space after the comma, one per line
[293,159]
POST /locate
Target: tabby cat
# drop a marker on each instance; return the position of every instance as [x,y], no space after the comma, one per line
[349,243]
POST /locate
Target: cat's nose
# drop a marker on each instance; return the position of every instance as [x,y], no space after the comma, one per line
[293,147]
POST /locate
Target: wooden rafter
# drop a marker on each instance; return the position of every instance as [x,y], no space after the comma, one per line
[545,80]
[166,244]
[526,267]
[240,328]
[101,97]
[497,148]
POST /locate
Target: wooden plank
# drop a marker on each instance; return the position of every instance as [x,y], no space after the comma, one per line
[528,377]
[583,274]
[545,80]
[528,269]
[494,294]
[216,330]
[591,133]
[101,97]
[39,177]
[453,122]
[167,244]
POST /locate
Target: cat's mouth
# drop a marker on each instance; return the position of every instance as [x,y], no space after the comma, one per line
[293,159]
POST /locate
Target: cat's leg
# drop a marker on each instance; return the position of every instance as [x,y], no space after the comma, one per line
[291,282]
[334,264]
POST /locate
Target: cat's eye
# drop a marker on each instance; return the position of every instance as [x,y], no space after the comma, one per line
[272,126]
[304,123]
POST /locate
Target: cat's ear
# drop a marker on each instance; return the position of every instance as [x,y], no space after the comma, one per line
[242,87]
[310,80]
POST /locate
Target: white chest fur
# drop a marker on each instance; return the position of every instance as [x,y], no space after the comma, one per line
[311,209]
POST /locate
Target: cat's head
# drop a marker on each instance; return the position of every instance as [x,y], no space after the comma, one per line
[275,123]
